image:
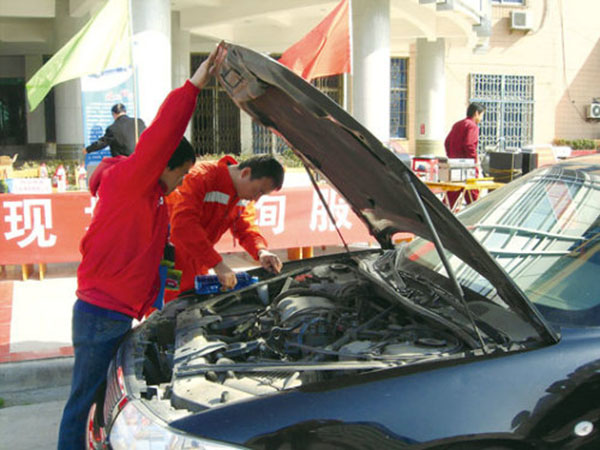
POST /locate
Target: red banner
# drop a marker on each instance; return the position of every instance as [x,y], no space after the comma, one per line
[48,228]
[325,50]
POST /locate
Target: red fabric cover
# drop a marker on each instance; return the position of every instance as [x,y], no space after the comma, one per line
[124,243]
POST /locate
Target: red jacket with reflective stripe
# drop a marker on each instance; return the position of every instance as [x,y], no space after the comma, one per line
[122,249]
[204,207]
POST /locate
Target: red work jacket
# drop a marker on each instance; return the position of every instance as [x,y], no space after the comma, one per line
[122,249]
[201,210]
[462,140]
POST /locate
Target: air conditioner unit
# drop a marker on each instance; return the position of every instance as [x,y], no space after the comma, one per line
[520,20]
[593,111]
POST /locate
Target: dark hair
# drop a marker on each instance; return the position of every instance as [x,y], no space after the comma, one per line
[118,108]
[265,166]
[182,154]
[473,108]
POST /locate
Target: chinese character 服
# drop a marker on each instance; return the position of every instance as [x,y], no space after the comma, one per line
[319,219]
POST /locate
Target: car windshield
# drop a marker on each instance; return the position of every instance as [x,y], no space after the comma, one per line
[544,230]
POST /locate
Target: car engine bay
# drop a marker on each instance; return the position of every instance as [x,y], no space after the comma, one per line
[308,325]
[316,324]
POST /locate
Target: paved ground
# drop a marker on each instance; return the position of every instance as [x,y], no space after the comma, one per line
[33,426]
[35,315]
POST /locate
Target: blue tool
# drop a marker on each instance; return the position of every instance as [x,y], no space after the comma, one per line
[209,284]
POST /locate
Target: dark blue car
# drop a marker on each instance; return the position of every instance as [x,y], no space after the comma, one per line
[483,332]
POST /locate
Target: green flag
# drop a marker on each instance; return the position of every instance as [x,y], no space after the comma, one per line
[103,43]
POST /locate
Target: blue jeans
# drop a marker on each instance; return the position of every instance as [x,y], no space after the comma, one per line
[95,340]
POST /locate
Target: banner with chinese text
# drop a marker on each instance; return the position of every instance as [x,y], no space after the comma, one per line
[43,227]
[48,228]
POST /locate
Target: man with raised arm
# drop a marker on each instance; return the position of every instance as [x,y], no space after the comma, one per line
[118,278]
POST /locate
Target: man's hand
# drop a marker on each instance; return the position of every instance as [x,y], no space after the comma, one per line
[269,261]
[208,67]
[225,275]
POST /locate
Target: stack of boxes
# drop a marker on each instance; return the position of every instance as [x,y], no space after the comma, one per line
[431,168]
[457,169]
[503,166]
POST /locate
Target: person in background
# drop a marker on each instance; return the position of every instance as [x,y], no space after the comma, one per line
[118,277]
[60,175]
[215,197]
[462,142]
[81,177]
[120,136]
[43,170]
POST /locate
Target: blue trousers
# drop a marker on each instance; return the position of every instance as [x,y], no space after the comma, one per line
[95,341]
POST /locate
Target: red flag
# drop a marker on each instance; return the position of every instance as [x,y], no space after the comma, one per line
[325,50]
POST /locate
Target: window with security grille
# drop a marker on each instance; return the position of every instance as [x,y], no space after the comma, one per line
[216,120]
[263,141]
[398,97]
[509,102]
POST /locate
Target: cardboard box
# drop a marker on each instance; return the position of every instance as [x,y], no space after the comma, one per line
[457,169]
[505,166]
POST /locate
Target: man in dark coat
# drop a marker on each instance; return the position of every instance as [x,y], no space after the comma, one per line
[120,136]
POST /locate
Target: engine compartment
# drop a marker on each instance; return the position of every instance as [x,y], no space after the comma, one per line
[320,323]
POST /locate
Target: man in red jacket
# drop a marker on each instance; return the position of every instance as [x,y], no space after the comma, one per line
[215,197]
[118,276]
[462,142]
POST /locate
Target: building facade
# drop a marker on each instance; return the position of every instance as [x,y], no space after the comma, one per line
[417,64]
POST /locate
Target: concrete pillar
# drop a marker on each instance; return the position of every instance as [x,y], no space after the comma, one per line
[36,125]
[180,57]
[180,46]
[371,66]
[245,133]
[152,53]
[67,95]
[430,98]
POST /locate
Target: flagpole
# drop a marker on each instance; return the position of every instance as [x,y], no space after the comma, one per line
[349,77]
[135,93]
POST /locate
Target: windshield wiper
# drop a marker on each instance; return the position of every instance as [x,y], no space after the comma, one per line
[489,229]
[525,231]
[440,250]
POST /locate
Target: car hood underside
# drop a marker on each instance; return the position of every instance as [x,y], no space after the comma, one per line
[381,190]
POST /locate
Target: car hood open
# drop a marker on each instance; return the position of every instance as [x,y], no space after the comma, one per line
[368,175]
